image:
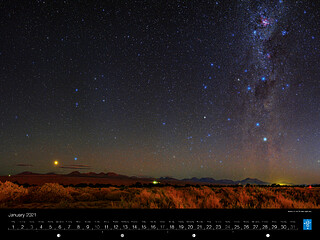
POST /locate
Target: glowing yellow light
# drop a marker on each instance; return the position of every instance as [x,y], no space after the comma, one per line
[155,182]
[56,163]
[284,184]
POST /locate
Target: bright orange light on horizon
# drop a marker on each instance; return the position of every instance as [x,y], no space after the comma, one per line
[56,163]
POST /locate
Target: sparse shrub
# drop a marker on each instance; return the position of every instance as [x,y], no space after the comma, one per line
[284,202]
[12,192]
[85,197]
[144,197]
[111,194]
[51,192]
[212,202]
[175,198]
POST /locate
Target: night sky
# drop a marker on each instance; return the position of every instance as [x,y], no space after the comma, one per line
[222,89]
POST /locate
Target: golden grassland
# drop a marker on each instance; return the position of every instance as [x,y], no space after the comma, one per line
[54,195]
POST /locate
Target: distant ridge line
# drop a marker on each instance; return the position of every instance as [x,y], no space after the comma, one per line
[193,180]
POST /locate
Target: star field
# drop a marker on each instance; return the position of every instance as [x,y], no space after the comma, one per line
[222,89]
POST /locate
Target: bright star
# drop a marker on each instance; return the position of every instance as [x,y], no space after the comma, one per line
[265,139]
[257,124]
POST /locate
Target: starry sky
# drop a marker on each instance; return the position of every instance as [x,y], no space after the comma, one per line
[222,89]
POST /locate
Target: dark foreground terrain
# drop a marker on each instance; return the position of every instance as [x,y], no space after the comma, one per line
[54,195]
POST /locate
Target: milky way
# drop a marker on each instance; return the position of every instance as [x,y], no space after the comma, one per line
[268,75]
[267,80]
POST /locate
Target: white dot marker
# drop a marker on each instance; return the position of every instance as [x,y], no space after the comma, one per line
[122,235]
[267,235]
[58,235]
[193,235]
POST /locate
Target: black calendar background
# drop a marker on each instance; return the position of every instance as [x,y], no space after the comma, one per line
[157,224]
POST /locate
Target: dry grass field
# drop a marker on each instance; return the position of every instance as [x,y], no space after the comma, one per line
[54,195]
